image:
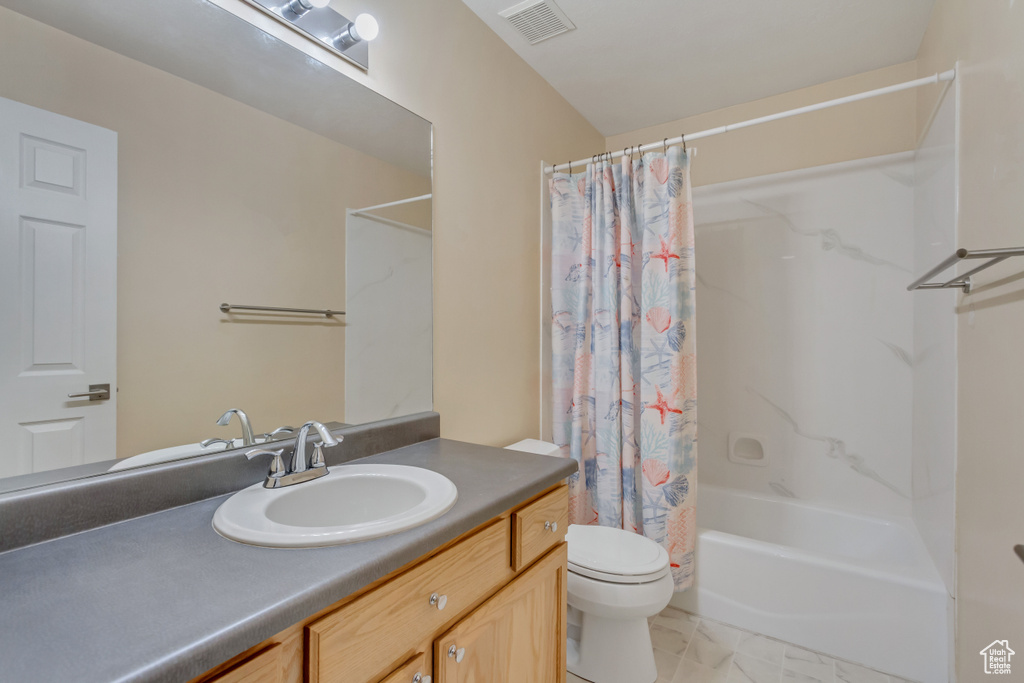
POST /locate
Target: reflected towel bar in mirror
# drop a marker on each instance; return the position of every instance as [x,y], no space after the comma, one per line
[964,281]
[227,308]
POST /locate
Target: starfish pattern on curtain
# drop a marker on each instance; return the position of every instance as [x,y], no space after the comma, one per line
[623,347]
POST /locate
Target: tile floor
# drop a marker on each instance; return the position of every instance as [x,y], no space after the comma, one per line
[690,649]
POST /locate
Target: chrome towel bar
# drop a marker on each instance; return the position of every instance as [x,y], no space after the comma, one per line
[964,281]
[227,308]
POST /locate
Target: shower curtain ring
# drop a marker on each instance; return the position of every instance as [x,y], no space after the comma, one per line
[683,138]
[664,145]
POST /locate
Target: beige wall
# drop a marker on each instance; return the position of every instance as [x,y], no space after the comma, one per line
[202,220]
[869,128]
[988,39]
[494,120]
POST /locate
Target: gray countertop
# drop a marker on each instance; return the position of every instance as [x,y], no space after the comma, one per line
[165,598]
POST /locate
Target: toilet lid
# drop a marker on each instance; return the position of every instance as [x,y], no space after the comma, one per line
[614,552]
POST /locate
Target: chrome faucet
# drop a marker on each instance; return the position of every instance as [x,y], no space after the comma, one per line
[247,438]
[272,436]
[301,469]
[299,463]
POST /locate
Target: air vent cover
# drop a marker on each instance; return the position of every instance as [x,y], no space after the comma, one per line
[538,20]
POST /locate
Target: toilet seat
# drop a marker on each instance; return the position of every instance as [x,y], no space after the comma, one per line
[616,578]
[614,555]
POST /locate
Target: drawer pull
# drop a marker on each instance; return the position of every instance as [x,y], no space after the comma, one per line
[438,601]
[420,678]
[457,653]
[551,526]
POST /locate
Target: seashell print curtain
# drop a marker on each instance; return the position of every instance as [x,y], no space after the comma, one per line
[623,351]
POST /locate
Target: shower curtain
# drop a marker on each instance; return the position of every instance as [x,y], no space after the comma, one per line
[623,351]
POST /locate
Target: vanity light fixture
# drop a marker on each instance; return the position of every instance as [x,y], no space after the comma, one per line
[300,7]
[363,28]
[318,22]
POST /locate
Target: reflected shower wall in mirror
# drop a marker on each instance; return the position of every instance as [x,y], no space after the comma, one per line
[240,197]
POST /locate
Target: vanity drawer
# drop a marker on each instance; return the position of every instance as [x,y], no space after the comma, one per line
[359,641]
[420,664]
[539,526]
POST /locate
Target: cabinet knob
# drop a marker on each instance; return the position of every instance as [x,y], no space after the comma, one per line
[457,653]
[438,601]
[420,678]
[551,526]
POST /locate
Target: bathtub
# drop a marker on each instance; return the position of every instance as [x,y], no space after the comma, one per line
[859,588]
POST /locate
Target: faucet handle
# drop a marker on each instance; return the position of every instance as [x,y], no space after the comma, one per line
[318,451]
[276,464]
[271,436]
[228,443]
[318,455]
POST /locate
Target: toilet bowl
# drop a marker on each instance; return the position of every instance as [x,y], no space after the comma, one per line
[616,580]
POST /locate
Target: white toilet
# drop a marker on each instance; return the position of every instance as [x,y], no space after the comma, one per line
[616,580]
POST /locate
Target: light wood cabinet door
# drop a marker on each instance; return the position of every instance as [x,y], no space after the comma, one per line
[518,636]
[418,665]
[364,639]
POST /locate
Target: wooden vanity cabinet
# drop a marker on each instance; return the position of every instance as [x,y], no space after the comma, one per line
[488,607]
[349,644]
[518,636]
[538,526]
[262,667]
[418,665]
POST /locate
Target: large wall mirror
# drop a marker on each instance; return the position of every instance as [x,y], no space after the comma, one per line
[159,159]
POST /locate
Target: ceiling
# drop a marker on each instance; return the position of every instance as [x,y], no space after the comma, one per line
[636,63]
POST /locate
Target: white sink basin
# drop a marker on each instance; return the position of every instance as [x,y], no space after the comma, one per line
[351,503]
[169,454]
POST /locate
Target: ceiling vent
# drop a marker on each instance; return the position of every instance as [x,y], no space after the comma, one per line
[538,20]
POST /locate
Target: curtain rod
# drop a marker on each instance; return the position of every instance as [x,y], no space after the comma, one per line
[410,200]
[927,80]
[392,223]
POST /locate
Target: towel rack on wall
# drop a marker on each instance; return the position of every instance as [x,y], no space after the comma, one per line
[227,308]
[964,281]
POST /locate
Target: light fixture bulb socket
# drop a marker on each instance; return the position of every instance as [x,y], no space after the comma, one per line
[300,7]
[365,27]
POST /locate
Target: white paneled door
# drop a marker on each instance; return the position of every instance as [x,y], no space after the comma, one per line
[58,289]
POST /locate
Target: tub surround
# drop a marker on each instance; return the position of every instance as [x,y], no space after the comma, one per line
[165,598]
[802,279]
[388,324]
[935,373]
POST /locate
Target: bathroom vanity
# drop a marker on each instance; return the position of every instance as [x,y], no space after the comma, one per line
[489,606]
[163,597]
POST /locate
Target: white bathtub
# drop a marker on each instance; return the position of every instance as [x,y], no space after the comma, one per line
[858,588]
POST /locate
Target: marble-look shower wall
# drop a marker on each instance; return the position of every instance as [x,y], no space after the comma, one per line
[388,321]
[806,332]
[934,422]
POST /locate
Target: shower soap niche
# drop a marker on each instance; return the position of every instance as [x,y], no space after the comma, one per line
[747,449]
